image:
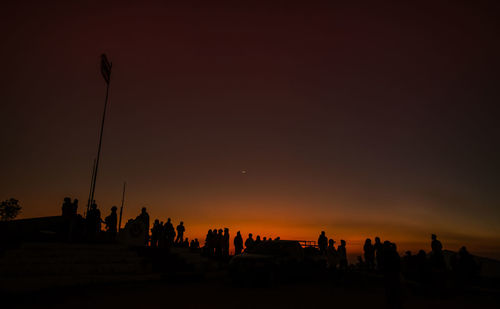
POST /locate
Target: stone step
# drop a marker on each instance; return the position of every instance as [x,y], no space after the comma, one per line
[72,269]
[20,254]
[71,259]
[33,283]
[74,249]
[76,246]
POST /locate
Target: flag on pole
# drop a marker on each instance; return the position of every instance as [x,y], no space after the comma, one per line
[105,68]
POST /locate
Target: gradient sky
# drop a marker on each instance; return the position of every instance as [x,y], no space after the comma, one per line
[360,119]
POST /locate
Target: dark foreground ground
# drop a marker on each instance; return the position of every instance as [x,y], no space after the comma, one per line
[221,294]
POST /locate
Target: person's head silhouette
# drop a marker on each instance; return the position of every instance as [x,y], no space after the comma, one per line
[114,209]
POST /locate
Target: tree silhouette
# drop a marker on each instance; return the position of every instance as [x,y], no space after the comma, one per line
[9,209]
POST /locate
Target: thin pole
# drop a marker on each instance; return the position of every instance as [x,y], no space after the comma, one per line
[100,137]
[91,182]
[121,208]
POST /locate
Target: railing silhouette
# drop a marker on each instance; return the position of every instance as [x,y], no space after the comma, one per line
[308,243]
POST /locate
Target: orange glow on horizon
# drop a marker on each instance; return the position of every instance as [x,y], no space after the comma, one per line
[294,225]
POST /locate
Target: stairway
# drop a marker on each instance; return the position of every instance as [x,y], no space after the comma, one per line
[35,266]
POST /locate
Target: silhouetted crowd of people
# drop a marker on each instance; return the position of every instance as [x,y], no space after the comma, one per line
[336,257]
[217,243]
[378,256]
[164,235]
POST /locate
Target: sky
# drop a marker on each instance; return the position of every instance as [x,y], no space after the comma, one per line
[362,119]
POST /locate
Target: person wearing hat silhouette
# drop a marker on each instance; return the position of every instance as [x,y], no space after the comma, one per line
[332,255]
[341,250]
[111,222]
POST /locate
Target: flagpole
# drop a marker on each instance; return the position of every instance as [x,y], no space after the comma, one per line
[100,137]
[121,208]
[91,182]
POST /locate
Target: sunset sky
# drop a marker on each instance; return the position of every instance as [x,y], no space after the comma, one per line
[360,119]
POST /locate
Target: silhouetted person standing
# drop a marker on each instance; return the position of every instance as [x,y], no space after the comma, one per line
[111,222]
[238,243]
[332,255]
[249,242]
[436,245]
[74,207]
[322,242]
[466,266]
[391,268]
[225,245]
[143,218]
[213,240]
[219,243]
[378,251]
[169,232]
[180,233]
[437,257]
[257,240]
[208,244]
[422,267]
[369,252]
[67,208]
[341,250]
[93,221]
[155,233]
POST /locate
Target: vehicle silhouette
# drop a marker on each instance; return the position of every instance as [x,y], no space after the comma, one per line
[274,261]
